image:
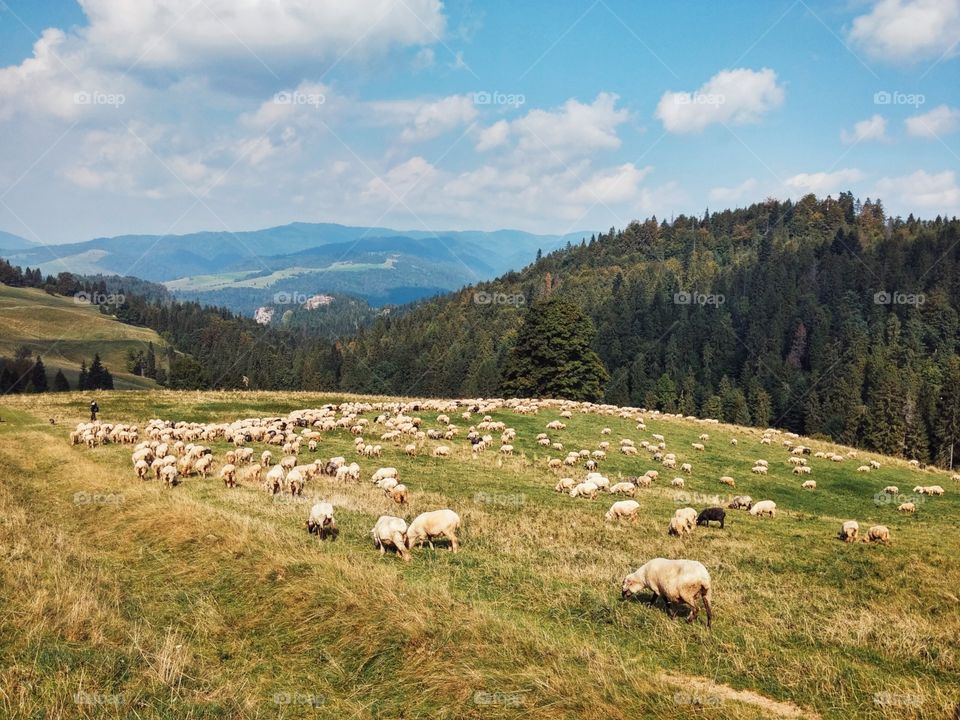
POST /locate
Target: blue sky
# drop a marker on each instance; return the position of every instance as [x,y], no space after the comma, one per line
[168,116]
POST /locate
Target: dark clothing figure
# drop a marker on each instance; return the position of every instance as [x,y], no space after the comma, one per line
[94,409]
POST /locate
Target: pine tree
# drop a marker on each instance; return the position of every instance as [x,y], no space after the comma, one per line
[552,356]
[150,369]
[38,376]
[713,407]
[60,383]
[84,379]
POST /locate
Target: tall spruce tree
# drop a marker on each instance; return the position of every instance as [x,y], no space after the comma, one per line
[38,376]
[60,383]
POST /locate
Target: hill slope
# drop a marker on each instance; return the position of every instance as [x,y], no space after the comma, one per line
[65,334]
[203,601]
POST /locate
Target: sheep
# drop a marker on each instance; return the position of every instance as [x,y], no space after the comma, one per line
[652,474]
[643,481]
[876,466]
[410,449]
[741,502]
[228,473]
[678,527]
[168,474]
[733,441]
[933,490]
[686,468]
[802,470]
[142,467]
[288,462]
[697,446]
[599,480]
[398,494]
[809,485]
[677,482]
[764,463]
[622,509]
[907,507]
[383,473]
[555,463]
[203,465]
[294,482]
[703,436]
[764,507]
[687,515]
[565,485]
[391,531]
[714,513]
[585,489]
[849,531]
[676,581]
[623,488]
[321,521]
[274,479]
[759,469]
[891,490]
[878,533]
[429,525]
[606,431]
[863,469]
[387,484]
[727,480]
[506,449]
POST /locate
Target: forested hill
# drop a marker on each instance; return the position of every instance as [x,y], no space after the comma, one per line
[824,317]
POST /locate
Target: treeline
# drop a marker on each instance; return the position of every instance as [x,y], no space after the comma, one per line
[24,374]
[823,317]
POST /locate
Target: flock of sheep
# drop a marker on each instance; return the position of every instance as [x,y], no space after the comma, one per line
[171,451]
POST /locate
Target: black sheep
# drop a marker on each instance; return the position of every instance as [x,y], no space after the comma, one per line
[709,514]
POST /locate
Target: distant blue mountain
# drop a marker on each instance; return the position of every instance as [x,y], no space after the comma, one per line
[9,241]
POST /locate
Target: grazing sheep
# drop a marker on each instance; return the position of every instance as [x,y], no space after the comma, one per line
[676,581]
[623,488]
[383,473]
[391,531]
[741,502]
[733,441]
[410,450]
[273,482]
[714,513]
[288,462]
[436,524]
[678,526]
[764,507]
[587,489]
[863,469]
[398,494]
[506,449]
[387,484]
[878,533]
[441,451]
[727,480]
[555,463]
[891,490]
[876,466]
[809,485]
[686,468]
[677,482]
[321,521]
[849,531]
[565,485]
[802,470]
[228,473]
[933,490]
[623,509]
[652,474]
[687,515]
[764,463]
[907,507]
[143,468]
[168,474]
[759,469]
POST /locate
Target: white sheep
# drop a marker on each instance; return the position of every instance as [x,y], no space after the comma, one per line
[907,507]
[809,485]
[678,527]
[677,482]
[398,493]
[891,490]
[391,531]
[727,480]
[863,469]
[383,473]
[623,488]
[321,521]
[686,468]
[587,489]
[764,507]
[687,515]
[565,485]
[622,509]
[676,581]
[849,531]
[228,473]
[759,469]
[435,524]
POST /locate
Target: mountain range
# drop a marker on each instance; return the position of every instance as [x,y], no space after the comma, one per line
[245,270]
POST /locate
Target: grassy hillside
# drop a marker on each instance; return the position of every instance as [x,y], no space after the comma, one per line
[203,602]
[64,334]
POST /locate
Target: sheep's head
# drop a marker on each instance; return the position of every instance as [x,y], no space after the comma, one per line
[634,583]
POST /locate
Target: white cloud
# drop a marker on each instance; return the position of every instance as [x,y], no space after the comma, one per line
[937,192]
[731,97]
[873,128]
[614,185]
[494,136]
[576,129]
[424,59]
[940,121]
[824,183]
[403,183]
[425,120]
[908,30]
[733,194]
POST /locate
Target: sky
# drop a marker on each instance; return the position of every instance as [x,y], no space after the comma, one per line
[172,116]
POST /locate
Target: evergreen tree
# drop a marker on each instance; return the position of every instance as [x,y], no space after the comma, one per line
[552,356]
[38,376]
[83,379]
[150,368]
[60,383]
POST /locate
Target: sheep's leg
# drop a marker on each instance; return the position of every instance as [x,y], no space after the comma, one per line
[454,545]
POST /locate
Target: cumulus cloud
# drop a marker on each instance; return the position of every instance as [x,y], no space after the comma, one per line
[613,185]
[908,30]
[731,97]
[824,183]
[494,136]
[935,192]
[873,128]
[574,129]
[940,121]
[733,194]
[425,120]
